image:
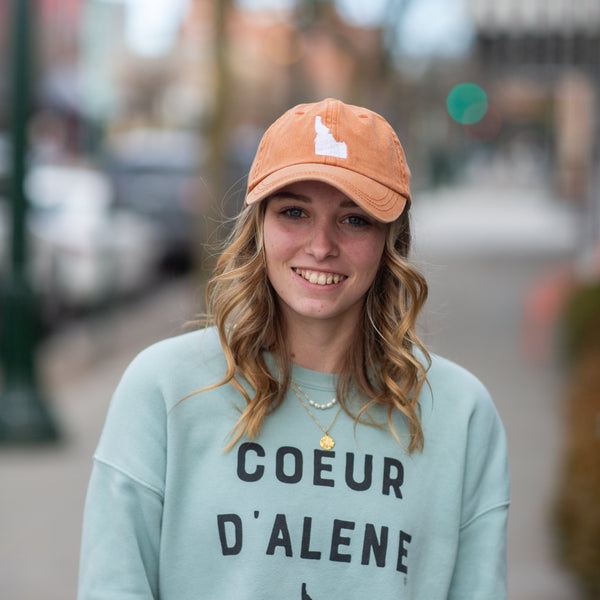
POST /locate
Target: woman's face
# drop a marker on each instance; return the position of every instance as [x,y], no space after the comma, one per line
[322,252]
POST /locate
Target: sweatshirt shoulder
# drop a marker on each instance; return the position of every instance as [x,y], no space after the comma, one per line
[179,364]
[201,345]
[203,340]
[458,408]
[447,372]
[451,384]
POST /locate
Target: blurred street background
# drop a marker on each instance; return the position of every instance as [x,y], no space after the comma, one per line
[127,128]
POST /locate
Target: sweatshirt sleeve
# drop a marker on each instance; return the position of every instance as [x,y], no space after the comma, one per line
[121,537]
[480,568]
[123,510]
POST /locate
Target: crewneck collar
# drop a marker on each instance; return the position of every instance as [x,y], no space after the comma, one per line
[315,380]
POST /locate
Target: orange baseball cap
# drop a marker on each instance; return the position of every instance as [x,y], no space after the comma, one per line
[348,147]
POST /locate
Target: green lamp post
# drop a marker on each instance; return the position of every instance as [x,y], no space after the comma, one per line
[24,416]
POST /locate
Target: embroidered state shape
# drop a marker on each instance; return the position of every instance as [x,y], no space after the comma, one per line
[326,144]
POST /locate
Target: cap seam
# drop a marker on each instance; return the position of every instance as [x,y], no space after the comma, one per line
[332,117]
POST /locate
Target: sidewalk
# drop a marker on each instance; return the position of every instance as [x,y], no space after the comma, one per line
[474,316]
[483,249]
[42,489]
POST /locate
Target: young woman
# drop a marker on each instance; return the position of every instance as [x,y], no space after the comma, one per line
[306,445]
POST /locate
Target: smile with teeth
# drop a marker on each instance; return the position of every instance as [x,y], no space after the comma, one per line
[319,277]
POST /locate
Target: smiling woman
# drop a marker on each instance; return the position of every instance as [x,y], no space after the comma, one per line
[310,355]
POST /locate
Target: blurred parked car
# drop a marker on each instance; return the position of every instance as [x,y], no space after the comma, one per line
[155,173]
[84,250]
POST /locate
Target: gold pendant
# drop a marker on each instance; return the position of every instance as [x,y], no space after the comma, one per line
[327,442]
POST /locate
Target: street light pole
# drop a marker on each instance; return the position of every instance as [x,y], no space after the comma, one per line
[24,416]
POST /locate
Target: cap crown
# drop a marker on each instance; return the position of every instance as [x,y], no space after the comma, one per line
[335,134]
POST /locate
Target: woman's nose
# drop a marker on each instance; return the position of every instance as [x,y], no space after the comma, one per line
[322,241]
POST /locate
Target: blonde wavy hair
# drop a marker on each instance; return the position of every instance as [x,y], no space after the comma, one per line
[381,367]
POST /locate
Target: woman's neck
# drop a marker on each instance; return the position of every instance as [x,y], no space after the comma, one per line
[319,346]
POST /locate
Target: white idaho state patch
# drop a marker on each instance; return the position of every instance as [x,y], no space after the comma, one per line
[326,144]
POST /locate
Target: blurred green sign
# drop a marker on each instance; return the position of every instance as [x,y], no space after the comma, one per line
[467,103]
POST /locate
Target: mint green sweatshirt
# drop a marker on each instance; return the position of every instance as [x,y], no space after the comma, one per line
[171,515]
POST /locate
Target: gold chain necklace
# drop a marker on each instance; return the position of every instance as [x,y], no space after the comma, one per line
[326,442]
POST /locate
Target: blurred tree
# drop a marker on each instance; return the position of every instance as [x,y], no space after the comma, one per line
[218,124]
[217,136]
[578,509]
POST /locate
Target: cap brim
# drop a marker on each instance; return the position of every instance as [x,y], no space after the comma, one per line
[379,201]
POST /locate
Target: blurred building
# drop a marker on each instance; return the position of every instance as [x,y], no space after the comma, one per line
[534,33]
[544,57]
[58,30]
[274,57]
[103,52]
[55,64]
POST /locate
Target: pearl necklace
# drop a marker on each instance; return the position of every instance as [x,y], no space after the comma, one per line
[320,406]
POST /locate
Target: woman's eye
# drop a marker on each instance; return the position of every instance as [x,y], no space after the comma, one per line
[356,221]
[293,213]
